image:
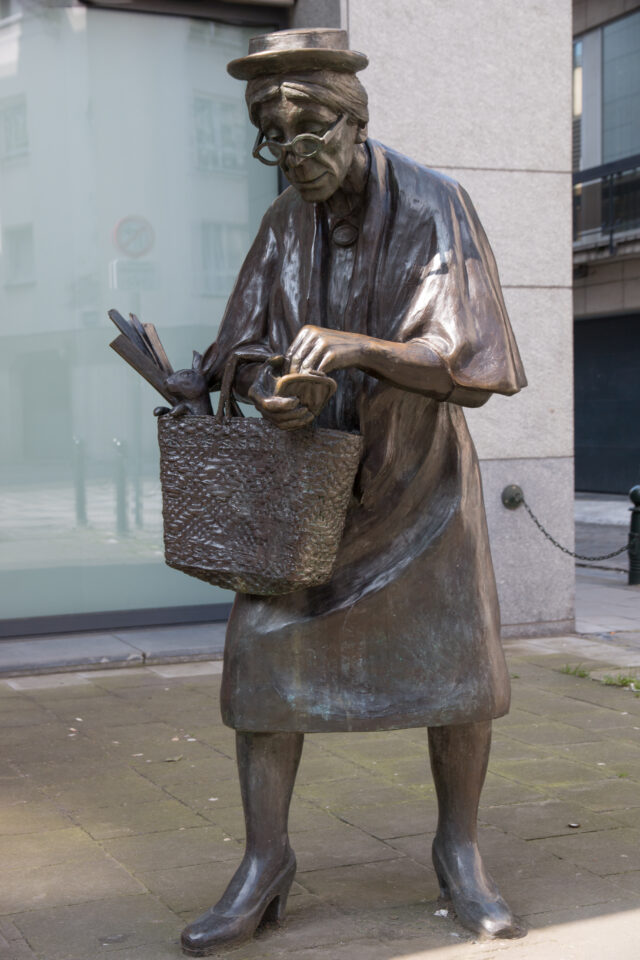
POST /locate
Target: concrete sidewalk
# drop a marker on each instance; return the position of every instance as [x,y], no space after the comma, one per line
[120,818]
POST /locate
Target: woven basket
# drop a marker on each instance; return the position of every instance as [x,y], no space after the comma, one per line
[250,507]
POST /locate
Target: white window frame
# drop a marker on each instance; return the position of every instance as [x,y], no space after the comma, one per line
[216,278]
[10,151]
[25,274]
[226,156]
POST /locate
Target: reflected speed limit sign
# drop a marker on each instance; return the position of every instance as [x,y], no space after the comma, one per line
[134,236]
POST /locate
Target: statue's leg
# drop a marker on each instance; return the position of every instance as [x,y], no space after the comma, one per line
[267,766]
[459,757]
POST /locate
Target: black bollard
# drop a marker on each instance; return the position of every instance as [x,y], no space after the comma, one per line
[634,538]
[80,481]
[120,476]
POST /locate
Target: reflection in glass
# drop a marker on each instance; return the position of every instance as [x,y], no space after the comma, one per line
[14,139]
[577,104]
[621,88]
[107,117]
[220,132]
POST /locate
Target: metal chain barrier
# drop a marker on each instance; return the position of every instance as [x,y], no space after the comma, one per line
[571,553]
[513,497]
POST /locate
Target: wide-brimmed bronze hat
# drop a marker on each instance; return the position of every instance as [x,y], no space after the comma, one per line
[295,50]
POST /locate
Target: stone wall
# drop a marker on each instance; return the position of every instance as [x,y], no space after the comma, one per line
[482,91]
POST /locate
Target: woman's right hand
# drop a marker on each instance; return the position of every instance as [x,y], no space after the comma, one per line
[287,413]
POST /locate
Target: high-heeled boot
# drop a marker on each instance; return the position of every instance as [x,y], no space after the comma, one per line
[257,893]
[459,758]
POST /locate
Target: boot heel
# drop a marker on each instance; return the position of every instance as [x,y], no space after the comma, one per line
[445,893]
[275,911]
[444,889]
[274,914]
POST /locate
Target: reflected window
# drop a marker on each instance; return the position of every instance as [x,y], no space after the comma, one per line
[222,250]
[577,105]
[14,139]
[18,255]
[220,134]
[621,88]
[9,8]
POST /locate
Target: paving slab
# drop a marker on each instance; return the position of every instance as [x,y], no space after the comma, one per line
[46,848]
[31,817]
[139,819]
[605,852]
[95,929]
[194,888]
[387,820]
[335,794]
[545,732]
[499,789]
[372,885]
[340,845]
[103,791]
[65,883]
[177,848]
[326,766]
[627,816]
[18,788]
[504,856]
[18,950]
[504,747]
[612,795]
[547,817]
[552,771]
[112,852]
[201,794]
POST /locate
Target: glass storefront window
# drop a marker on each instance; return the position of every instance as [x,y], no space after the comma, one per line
[621,88]
[125,181]
[577,105]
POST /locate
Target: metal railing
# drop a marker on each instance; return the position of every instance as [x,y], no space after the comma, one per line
[606,202]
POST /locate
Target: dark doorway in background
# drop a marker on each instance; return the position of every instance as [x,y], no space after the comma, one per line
[607,401]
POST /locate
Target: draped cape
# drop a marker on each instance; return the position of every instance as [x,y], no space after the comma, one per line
[406,632]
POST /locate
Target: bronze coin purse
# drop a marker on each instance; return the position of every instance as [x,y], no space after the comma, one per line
[313,390]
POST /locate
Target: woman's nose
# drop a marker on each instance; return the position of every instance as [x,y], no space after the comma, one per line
[291,161]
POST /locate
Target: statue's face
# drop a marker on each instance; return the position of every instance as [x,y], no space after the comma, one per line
[315,178]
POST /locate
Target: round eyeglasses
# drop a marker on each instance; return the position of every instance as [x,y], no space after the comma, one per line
[304,146]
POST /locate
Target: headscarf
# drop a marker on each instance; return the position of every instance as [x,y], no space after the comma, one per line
[340,92]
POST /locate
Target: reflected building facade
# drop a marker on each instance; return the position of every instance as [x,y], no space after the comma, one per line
[606,244]
[124,182]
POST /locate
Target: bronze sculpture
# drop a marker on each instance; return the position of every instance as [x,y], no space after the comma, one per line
[375,270]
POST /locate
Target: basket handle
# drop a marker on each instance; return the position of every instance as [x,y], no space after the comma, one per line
[227,405]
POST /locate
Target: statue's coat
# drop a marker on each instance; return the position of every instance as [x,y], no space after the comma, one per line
[406,632]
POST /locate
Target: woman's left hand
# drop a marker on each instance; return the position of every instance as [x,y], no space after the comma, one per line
[320,350]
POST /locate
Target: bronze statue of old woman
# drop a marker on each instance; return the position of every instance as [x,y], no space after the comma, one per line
[374,270]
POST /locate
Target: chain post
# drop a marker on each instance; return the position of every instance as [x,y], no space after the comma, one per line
[634,538]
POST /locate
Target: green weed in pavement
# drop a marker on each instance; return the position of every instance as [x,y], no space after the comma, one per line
[577,671]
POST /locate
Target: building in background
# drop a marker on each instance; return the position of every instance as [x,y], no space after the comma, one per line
[606,244]
[126,181]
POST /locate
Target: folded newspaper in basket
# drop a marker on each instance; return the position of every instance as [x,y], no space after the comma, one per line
[140,345]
